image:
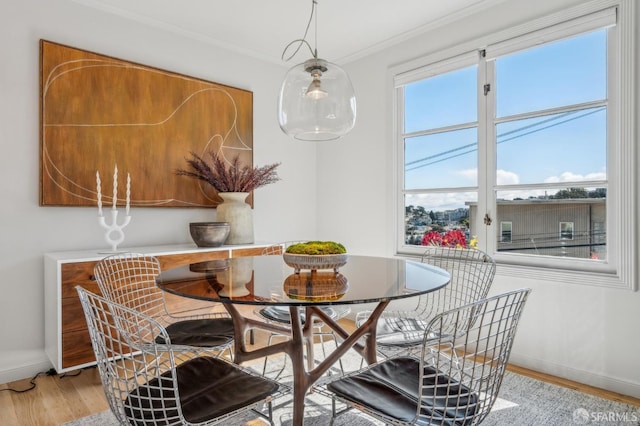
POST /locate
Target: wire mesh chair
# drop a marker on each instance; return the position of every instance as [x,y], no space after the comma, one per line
[456,380]
[281,315]
[128,279]
[151,384]
[472,272]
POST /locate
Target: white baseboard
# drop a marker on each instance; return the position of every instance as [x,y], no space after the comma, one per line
[623,387]
[18,365]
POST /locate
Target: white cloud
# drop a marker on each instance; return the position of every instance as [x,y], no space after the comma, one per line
[574,177]
[442,201]
[507,178]
[469,174]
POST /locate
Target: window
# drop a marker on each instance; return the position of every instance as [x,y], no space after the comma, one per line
[566,231]
[505,232]
[525,127]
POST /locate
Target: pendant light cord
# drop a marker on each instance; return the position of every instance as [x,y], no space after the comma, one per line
[303,41]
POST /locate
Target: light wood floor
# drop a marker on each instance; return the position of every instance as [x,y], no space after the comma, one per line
[62,398]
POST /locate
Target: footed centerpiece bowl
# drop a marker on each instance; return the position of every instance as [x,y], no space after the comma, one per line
[315,261]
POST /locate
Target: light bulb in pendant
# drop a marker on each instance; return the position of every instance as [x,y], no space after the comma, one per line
[315,90]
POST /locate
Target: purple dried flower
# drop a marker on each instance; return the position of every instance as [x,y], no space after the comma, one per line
[231,178]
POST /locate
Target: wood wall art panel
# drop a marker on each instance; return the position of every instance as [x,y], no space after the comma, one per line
[97,112]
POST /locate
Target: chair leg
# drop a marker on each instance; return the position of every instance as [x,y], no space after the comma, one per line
[270,410]
[333,336]
[230,352]
[333,411]
[266,358]
[335,340]
[324,352]
[269,415]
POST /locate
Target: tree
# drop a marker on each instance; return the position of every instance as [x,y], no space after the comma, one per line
[437,228]
[598,193]
[570,193]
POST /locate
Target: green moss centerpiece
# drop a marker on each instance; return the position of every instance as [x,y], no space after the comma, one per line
[314,255]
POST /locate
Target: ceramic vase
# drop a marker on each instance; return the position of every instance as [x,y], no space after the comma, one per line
[235,210]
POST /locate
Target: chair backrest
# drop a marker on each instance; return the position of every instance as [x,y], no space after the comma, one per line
[128,279]
[472,272]
[274,249]
[464,357]
[279,248]
[128,358]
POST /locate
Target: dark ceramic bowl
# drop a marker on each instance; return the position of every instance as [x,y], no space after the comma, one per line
[209,234]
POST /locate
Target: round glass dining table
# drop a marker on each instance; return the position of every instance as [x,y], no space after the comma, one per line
[268,280]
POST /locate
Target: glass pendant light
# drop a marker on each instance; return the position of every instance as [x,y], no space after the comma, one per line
[317,101]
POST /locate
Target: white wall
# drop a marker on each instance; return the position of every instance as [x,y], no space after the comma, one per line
[588,334]
[27,230]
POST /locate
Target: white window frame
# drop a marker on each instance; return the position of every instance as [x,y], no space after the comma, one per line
[618,270]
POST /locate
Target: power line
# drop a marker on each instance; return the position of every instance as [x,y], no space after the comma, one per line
[420,160]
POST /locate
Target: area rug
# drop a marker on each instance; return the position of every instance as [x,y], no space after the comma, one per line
[523,402]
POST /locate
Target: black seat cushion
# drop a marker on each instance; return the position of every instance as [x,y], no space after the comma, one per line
[211,332]
[207,387]
[392,387]
[281,314]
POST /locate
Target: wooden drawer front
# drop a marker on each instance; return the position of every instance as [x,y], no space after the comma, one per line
[74,274]
[172,260]
[76,344]
[72,315]
[76,348]
[247,252]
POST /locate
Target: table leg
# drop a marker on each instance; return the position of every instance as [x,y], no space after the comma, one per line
[307,333]
[240,326]
[301,381]
[301,336]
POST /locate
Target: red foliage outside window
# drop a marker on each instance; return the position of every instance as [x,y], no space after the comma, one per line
[453,238]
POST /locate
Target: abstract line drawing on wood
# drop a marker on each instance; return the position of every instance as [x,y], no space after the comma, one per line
[97,112]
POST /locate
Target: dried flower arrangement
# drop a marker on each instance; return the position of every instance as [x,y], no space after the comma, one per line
[228,178]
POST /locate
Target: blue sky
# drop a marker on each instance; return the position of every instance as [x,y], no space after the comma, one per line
[556,148]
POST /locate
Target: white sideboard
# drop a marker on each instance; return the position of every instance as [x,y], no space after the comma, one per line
[67,342]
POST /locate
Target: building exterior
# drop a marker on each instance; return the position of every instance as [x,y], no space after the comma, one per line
[570,227]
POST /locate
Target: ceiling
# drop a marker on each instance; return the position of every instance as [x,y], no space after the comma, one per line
[346,29]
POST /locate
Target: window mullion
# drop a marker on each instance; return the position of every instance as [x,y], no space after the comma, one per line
[399,157]
[486,156]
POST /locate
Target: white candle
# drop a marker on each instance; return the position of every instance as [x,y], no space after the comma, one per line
[115,187]
[99,193]
[128,192]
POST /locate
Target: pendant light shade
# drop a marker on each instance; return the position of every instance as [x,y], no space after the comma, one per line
[316,101]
